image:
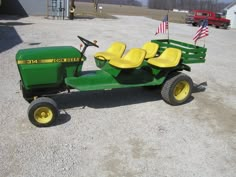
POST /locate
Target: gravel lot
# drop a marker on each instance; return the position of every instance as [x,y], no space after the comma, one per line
[123,132]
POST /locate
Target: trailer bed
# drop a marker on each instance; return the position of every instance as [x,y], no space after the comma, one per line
[190,53]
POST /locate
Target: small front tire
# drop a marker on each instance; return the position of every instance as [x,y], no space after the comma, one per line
[177,89]
[43,112]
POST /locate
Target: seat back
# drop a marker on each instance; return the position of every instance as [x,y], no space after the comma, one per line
[135,56]
[172,55]
[151,49]
[117,49]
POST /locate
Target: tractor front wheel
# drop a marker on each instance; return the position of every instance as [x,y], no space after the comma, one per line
[177,89]
[43,112]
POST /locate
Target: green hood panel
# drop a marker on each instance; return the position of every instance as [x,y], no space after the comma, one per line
[47,66]
[42,53]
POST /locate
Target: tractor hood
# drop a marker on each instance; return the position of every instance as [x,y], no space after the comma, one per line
[59,54]
[47,66]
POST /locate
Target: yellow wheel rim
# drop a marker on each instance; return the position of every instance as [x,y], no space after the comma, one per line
[43,115]
[181,90]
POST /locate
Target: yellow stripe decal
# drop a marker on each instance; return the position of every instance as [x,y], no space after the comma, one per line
[44,61]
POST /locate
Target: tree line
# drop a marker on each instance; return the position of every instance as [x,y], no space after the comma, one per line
[213,5]
[119,2]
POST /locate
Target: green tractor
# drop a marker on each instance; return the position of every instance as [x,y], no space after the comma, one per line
[48,71]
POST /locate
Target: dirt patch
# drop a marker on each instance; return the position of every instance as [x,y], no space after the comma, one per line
[109,10]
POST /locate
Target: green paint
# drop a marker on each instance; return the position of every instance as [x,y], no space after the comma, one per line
[47,66]
[101,80]
[190,53]
[52,68]
[100,63]
[112,70]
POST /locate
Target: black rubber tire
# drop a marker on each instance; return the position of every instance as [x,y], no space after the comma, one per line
[42,102]
[225,26]
[200,23]
[167,91]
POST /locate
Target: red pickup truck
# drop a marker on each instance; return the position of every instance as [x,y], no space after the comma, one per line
[196,17]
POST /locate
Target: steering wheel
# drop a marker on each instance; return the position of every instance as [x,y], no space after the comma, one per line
[87,42]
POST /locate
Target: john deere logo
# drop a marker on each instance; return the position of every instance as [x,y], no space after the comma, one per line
[44,61]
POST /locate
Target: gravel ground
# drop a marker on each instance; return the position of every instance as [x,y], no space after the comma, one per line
[123,132]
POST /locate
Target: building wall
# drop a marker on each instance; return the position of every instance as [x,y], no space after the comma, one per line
[231,15]
[12,7]
[23,7]
[33,7]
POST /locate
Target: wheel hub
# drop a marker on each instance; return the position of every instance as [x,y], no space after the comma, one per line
[181,90]
[43,115]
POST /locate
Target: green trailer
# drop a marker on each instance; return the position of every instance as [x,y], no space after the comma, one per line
[48,71]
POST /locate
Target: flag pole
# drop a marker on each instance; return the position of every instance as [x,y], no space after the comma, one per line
[168,27]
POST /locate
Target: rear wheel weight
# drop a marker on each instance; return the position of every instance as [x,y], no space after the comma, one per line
[177,89]
[43,112]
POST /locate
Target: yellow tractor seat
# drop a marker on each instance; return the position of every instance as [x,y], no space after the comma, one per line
[169,58]
[151,49]
[132,59]
[115,51]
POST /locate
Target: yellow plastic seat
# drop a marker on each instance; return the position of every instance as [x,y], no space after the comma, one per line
[115,51]
[132,59]
[169,58]
[151,49]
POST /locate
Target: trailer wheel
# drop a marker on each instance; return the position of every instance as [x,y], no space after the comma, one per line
[177,89]
[43,112]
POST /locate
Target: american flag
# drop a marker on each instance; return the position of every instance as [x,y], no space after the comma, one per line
[163,27]
[202,31]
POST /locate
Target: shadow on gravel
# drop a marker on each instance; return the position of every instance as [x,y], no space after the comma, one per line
[116,97]
[199,87]
[84,17]
[14,24]
[107,99]
[63,118]
[9,36]
[10,17]
[111,98]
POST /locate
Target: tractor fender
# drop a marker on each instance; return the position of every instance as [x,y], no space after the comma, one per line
[185,67]
[176,70]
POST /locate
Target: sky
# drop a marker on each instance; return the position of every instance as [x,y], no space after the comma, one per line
[145,1]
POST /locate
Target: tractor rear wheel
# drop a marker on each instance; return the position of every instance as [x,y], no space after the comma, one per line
[177,89]
[43,112]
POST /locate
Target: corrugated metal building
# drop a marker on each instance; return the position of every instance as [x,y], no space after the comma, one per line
[34,7]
